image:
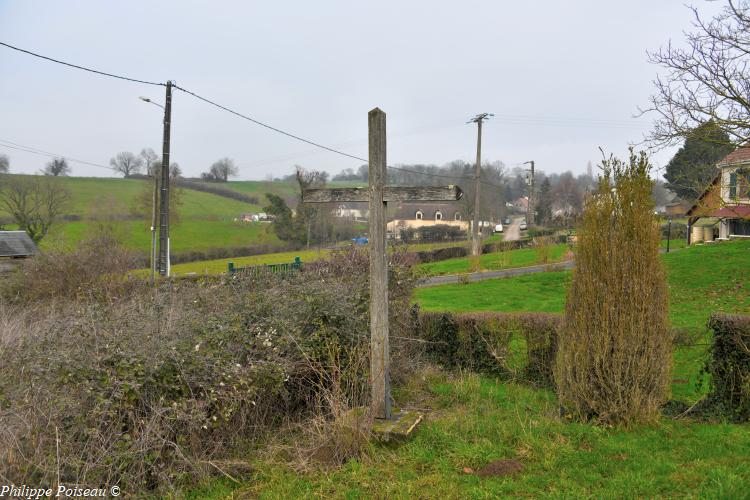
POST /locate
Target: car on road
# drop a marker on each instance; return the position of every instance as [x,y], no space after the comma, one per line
[522,226]
[498,228]
[507,221]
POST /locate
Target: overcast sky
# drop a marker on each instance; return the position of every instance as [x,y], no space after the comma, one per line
[563,79]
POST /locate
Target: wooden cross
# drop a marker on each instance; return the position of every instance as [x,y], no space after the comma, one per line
[378,195]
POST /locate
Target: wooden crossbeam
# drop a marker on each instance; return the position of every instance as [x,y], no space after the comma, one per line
[390,193]
[377,195]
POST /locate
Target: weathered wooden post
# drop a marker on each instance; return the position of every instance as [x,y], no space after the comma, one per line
[379,347]
[378,195]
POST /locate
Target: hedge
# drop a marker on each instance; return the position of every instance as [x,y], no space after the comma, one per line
[482,342]
[729,366]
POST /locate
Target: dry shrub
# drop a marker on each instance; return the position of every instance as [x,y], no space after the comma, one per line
[151,392]
[615,348]
[475,264]
[542,248]
[98,266]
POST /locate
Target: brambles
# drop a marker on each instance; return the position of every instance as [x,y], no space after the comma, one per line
[615,348]
[148,391]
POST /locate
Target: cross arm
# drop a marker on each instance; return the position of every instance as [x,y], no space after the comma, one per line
[390,193]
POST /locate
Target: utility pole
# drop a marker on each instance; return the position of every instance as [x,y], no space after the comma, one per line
[164,195]
[530,204]
[476,244]
[153,223]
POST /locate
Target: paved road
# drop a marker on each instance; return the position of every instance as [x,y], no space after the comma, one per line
[503,273]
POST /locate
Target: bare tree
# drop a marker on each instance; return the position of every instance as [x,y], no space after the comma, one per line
[4,164]
[174,170]
[57,167]
[34,203]
[149,157]
[223,169]
[707,81]
[126,163]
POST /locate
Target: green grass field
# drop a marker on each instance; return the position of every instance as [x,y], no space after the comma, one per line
[204,220]
[474,420]
[219,266]
[493,261]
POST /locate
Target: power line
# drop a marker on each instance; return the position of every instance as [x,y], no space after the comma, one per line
[41,152]
[208,101]
[80,67]
[258,122]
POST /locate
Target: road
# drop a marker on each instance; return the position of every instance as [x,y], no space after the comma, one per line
[512,231]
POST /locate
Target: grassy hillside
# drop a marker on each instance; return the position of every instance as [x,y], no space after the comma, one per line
[204,220]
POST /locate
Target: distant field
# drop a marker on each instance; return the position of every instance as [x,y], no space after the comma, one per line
[219,266]
[205,220]
[286,190]
[493,261]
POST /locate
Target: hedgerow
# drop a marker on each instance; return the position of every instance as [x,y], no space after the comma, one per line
[152,390]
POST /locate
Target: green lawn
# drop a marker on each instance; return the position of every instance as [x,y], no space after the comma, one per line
[185,235]
[493,261]
[475,420]
[204,220]
[219,266]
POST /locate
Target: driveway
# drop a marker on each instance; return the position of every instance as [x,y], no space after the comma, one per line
[512,231]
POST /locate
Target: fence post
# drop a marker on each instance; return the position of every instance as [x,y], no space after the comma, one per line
[230,268]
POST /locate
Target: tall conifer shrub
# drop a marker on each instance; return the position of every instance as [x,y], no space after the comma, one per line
[615,352]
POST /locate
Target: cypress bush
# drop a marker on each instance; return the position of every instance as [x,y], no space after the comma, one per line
[614,354]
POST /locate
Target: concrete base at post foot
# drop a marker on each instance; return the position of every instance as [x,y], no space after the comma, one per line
[399,428]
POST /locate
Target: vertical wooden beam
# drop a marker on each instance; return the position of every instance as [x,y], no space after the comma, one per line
[379,345]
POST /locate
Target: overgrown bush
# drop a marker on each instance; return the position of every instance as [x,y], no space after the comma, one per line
[482,342]
[97,266]
[229,252]
[615,347]
[152,391]
[729,366]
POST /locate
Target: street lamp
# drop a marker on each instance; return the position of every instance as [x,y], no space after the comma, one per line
[153,206]
[146,99]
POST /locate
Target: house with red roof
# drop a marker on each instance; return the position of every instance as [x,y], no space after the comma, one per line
[726,201]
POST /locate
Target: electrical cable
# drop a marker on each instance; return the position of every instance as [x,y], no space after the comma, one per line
[81,67]
[258,122]
[29,149]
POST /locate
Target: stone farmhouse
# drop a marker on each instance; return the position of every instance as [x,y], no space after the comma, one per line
[725,204]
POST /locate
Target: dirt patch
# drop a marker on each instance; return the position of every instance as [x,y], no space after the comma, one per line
[500,468]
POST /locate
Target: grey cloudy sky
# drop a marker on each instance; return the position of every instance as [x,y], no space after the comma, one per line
[563,78]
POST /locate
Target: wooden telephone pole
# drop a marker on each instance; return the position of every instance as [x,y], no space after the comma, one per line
[476,243]
[164,191]
[530,219]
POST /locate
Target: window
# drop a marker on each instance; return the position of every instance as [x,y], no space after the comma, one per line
[457,216]
[438,215]
[419,215]
[732,185]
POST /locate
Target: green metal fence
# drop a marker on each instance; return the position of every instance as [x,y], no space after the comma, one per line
[266,268]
